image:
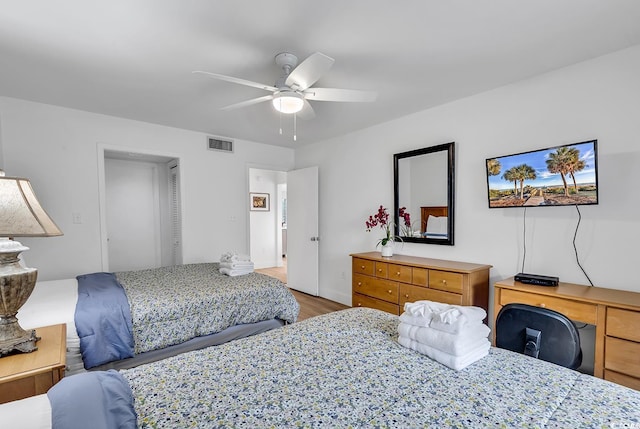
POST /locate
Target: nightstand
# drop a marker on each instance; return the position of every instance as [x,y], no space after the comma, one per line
[29,374]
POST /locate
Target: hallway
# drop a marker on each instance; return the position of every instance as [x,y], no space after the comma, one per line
[310,306]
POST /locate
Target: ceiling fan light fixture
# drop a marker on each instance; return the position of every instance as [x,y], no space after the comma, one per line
[288,102]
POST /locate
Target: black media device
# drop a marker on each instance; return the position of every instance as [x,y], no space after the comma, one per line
[536,279]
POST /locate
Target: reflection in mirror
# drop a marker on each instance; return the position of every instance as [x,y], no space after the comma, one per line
[424,194]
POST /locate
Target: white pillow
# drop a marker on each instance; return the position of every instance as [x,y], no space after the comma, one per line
[436,225]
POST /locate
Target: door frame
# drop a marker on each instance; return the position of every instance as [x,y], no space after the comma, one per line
[274,207]
[134,154]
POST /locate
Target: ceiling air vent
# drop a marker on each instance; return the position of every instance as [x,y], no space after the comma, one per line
[219,144]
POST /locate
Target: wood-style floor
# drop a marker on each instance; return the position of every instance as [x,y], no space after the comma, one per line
[310,306]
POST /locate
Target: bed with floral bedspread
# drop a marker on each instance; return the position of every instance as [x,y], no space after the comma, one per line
[346,369]
[127,318]
[170,305]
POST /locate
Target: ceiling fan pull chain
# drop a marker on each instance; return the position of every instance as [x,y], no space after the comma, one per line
[280,115]
[295,132]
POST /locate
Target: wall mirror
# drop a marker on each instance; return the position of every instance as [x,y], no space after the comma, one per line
[423,187]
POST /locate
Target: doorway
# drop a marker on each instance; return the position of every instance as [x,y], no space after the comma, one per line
[141,216]
[268,227]
[287,233]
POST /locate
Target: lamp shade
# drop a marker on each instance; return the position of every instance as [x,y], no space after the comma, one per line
[288,102]
[21,215]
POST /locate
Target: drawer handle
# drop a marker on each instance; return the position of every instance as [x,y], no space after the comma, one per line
[444,282]
[359,305]
[543,305]
[406,296]
[379,270]
[362,266]
[390,291]
[359,283]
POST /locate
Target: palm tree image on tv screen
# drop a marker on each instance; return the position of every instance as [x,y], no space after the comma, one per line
[557,176]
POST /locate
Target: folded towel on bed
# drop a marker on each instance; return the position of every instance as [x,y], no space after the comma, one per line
[233,257]
[458,325]
[443,317]
[456,345]
[454,362]
[232,272]
[237,265]
[415,320]
[424,308]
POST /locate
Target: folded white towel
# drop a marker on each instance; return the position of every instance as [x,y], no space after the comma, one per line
[233,257]
[454,362]
[443,317]
[456,345]
[424,308]
[454,312]
[236,272]
[415,320]
[237,264]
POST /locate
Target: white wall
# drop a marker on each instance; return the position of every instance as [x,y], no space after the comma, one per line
[57,149]
[596,99]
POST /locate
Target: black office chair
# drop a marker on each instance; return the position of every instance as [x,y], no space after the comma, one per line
[539,332]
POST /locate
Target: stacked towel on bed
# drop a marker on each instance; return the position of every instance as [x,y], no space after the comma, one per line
[233,264]
[453,335]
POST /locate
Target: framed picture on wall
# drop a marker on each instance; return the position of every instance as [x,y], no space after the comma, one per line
[259,202]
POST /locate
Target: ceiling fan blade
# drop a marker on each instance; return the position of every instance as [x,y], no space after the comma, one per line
[238,81]
[309,71]
[248,102]
[307,111]
[335,94]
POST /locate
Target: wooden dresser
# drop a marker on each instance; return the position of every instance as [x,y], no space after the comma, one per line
[615,314]
[387,283]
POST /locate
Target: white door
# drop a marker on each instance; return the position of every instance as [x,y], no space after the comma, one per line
[302,230]
[132,214]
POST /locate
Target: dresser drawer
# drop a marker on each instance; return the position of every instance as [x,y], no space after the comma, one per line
[622,356]
[420,276]
[410,293]
[400,273]
[623,324]
[625,380]
[366,301]
[364,266]
[386,290]
[446,281]
[382,270]
[580,311]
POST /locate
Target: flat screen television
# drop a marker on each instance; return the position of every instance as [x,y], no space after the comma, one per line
[556,176]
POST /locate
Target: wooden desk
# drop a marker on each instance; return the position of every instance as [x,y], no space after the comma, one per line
[615,314]
[28,374]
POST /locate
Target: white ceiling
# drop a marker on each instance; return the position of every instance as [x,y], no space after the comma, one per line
[134,58]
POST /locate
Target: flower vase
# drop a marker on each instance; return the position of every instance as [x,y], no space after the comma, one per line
[387,249]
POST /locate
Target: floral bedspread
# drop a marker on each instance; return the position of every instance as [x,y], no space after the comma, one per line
[347,370]
[171,305]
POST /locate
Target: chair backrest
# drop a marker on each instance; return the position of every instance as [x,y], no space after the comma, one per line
[539,332]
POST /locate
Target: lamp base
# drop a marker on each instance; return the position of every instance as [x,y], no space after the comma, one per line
[16,284]
[19,341]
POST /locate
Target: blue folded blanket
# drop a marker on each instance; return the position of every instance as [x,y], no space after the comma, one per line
[100,400]
[103,320]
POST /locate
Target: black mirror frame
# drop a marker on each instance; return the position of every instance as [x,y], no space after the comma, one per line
[450,148]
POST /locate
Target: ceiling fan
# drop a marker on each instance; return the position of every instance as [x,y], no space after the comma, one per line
[293,90]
